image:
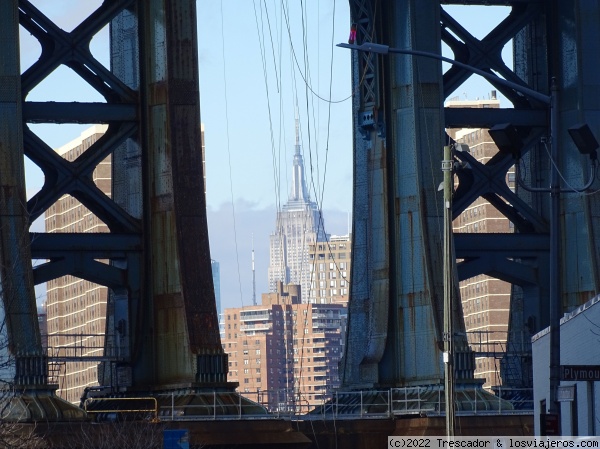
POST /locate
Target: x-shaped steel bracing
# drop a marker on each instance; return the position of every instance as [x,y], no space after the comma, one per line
[77,255]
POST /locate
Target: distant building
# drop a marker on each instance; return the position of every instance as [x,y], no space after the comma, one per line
[285,353]
[330,270]
[299,224]
[76,309]
[485,300]
[216,276]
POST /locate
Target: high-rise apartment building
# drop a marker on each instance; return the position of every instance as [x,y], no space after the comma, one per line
[285,353]
[76,309]
[485,300]
[299,224]
[330,270]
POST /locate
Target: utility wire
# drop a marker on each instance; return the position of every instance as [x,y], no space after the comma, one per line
[237,257]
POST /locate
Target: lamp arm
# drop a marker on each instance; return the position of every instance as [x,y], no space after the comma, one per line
[592,178]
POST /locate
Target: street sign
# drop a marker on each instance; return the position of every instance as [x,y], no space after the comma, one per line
[580,373]
[565,393]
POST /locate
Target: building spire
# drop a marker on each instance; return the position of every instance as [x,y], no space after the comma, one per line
[299,191]
[297,134]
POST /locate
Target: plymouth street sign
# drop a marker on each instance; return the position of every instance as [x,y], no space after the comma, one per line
[580,373]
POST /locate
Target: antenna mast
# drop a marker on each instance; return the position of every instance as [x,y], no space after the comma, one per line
[253,275]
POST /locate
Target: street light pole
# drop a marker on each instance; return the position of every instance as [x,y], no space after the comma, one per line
[448,293]
[554,293]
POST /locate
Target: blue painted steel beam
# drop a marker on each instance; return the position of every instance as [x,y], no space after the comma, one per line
[500,268]
[78,265]
[486,54]
[489,181]
[486,118]
[96,245]
[72,49]
[58,112]
[509,245]
[62,176]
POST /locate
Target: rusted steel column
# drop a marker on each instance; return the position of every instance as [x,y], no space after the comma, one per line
[16,276]
[369,306]
[186,334]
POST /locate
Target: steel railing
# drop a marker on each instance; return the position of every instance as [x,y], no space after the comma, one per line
[375,404]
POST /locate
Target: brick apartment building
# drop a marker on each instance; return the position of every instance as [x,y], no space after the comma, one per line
[285,353]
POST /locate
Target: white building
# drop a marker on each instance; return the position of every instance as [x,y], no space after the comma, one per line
[580,346]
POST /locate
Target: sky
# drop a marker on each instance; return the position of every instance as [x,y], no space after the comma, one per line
[261,65]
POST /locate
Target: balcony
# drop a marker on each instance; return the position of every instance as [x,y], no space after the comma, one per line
[256,315]
[256,327]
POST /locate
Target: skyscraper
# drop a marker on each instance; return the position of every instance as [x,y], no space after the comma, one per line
[299,224]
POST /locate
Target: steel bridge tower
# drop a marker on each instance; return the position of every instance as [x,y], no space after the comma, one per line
[161,311]
[395,333]
[162,327]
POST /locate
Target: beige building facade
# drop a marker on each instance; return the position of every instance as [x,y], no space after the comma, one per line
[485,300]
[76,308]
[330,264]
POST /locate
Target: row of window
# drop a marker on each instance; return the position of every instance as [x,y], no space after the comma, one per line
[332,266]
[332,283]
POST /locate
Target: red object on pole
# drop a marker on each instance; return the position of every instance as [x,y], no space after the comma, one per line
[352,38]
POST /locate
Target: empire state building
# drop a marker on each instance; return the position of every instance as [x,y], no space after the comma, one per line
[299,224]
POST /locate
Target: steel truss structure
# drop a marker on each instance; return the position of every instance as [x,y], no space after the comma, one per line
[399,121]
[162,329]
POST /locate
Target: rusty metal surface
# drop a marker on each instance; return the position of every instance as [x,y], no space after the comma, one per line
[182,287]
[16,277]
[395,312]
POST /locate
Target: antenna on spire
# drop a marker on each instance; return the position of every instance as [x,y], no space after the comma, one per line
[297,119]
[253,275]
